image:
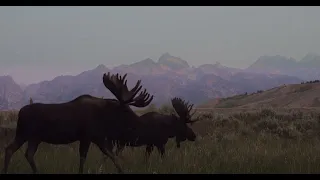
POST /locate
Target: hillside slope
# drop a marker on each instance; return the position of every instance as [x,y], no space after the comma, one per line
[288,96]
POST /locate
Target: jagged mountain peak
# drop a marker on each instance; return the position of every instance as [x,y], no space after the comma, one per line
[147,62]
[101,67]
[172,61]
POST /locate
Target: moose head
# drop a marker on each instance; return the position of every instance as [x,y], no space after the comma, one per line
[183,109]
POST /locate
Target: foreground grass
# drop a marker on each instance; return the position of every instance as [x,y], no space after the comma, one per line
[241,156]
[257,142]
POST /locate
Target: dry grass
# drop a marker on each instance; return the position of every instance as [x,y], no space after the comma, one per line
[263,141]
[290,96]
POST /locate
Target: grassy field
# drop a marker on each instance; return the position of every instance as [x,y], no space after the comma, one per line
[259,141]
[290,96]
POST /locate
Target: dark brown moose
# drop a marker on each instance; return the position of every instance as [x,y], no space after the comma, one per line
[156,129]
[86,119]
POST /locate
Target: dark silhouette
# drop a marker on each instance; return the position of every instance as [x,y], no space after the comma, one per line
[156,129]
[30,101]
[310,82]
[86,119]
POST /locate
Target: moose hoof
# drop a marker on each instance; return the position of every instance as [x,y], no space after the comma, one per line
[120,171]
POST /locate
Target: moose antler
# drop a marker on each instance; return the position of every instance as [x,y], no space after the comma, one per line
[118,87]
[142,100]
[183,109]
[193,121]
[111,84]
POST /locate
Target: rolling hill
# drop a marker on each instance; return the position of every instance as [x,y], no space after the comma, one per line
[305,95]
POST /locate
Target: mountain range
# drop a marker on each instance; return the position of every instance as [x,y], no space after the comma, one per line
[167,77]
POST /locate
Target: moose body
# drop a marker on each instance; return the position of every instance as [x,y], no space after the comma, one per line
[156,129]
[86,119]
[73,121]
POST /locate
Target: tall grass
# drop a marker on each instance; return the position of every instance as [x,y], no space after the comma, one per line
[264,141]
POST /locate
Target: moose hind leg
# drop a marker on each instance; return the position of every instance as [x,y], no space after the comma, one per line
[109,154]
[119,149]
[83,150]
[161,150]
[30,152]
[149,149]
[9,151]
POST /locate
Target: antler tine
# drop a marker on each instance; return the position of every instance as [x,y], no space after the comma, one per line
[143,96]
[121,84]
[117,81]
[111,84]
[189,108]
[193,121]
[142,100]
[185,103]
[140,96]
[194,112]
[124,77]
[124,82]
[133,92]
[179,106]
[136,88]
[146,97]
[129,95]
[148,101]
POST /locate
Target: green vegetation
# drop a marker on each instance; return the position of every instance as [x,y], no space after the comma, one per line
[264,141]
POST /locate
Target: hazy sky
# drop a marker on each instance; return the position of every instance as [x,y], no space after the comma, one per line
[39,43]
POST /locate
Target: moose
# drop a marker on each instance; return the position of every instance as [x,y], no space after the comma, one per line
[155,129]
[86,119]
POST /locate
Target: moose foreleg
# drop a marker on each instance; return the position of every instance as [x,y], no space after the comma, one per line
[83,150]
[10,150]
[29,154]
[108,152]
[149,149]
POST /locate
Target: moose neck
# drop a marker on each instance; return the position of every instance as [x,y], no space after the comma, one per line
[172,132]
[130,113]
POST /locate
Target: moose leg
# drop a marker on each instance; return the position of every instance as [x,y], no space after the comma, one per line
[119,149]
[109,145]
[161,150]
[29,154]
[10,150]
[108,152]
[83,150]
[149,149]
